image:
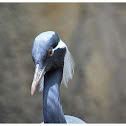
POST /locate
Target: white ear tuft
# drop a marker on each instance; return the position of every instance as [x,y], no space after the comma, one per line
[68,69]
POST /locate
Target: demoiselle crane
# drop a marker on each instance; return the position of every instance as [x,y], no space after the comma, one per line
[53,63]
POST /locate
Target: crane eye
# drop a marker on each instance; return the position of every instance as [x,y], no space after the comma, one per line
[51,52]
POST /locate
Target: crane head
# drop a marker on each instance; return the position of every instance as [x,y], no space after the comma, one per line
[49,52]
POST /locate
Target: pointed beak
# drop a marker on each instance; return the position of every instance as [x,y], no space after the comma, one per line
[37,77]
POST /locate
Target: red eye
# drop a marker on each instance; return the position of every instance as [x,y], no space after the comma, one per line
[50,52]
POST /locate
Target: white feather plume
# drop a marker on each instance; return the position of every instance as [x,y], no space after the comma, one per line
[68,69]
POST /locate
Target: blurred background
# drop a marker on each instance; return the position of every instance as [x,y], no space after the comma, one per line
[96,37]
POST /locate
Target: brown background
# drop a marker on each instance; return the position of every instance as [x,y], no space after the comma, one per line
[96,37]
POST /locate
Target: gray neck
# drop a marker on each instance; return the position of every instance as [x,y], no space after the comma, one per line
[52,108]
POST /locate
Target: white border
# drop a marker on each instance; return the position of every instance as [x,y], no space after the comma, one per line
[60,1]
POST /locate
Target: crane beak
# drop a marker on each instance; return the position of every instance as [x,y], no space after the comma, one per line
[37,77]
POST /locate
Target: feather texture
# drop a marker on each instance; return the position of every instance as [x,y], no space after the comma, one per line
[68,69]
